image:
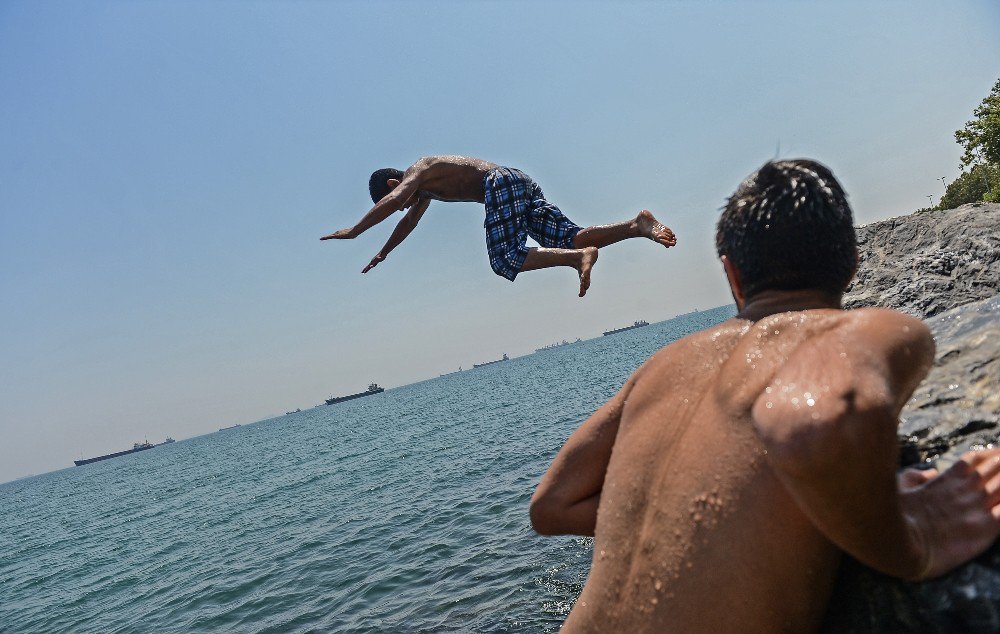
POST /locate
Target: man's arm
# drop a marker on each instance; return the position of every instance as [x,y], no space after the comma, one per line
[403,228]
[566,500]
[828,421]
[399,198]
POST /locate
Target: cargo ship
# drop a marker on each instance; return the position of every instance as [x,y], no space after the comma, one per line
[638,324]
[136,447]
[558,344]
[372,389]
[479,365]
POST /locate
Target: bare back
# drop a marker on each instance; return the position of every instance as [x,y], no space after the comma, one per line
[694,531]
[449,178]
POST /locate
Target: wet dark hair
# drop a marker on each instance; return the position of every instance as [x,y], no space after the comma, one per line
[377,185]
[788,227]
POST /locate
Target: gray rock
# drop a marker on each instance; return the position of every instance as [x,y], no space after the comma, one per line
[926,263]
[935,265]
[957,406]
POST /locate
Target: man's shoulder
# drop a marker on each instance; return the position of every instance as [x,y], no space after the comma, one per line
[866,360]
[695,348]
[882,324]
[883,329]
[881,340]
[828,347]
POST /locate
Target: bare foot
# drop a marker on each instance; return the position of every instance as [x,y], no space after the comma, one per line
[649,227]
[587,260]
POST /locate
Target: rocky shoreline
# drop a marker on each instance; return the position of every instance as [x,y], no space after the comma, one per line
[942,266]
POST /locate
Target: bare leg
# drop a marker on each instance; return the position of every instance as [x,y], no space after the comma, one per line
[580,259]
[644,225]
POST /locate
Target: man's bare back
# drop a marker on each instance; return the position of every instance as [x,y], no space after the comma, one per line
[450,178]
[724,480]
[690,511]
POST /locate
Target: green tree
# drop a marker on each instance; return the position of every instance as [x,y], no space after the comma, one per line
[980,137]
[981,183]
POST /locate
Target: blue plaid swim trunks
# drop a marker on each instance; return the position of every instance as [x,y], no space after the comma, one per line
[516,209]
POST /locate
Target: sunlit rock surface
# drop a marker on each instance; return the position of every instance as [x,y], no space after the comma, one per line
[943,266]
[928,262]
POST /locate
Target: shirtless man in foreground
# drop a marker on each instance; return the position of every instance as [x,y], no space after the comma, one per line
[724,480]
[515,209]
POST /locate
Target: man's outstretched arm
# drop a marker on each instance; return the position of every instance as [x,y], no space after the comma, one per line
[400,197]
[403,228]
[566,500]
[829,424]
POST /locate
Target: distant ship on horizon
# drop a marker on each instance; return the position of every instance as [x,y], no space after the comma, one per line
[638,324]
[136,447]
[501,360]
[230,427]
[558,344]
[372,389]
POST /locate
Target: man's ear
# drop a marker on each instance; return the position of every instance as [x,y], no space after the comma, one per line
[735,285]
[391,182]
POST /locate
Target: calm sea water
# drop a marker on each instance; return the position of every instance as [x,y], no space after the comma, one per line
[403,512]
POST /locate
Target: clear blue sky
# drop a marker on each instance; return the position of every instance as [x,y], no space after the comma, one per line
[166,170]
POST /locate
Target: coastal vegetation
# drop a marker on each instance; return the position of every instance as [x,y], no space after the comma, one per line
[980,163]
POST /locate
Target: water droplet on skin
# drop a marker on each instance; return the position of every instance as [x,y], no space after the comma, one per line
[658,585]
[768,389]
[810,402]
[769,405]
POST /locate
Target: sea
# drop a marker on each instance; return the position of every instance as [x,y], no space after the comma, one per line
[406,511]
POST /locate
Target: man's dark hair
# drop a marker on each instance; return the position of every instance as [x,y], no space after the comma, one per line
[788,227]
[377,185]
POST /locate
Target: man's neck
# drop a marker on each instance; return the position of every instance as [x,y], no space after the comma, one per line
[771,302]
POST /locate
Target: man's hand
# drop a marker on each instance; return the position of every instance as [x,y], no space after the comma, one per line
[955,513]
[343,234]
[375,260]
